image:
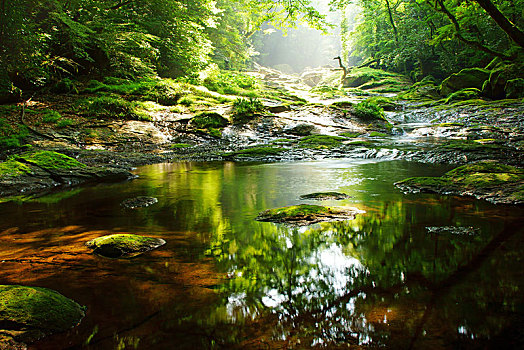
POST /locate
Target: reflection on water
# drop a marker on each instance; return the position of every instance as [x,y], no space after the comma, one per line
[226,281]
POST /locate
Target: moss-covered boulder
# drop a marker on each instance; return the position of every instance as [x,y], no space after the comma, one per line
[514,88]
[30,313]
[466,78]
[206,120]
[305,214]
[138,202]
[464,94]
[320,196]
[123,245]
[497,85]
[491,181]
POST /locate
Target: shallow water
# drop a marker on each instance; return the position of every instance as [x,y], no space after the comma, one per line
[400,276]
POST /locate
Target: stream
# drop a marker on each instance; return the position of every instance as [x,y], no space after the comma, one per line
[414,272]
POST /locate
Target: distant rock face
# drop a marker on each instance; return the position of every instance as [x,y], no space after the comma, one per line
[123,245]
[139,202]
[304,214]
[30,313]
[325,196]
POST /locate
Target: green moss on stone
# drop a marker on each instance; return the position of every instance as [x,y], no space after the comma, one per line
[13,168]
[50,160]
[257,152]
[351,135]
[377,134]
[206,120]
[39,311]
[120,245]
[179,145]
[321,141]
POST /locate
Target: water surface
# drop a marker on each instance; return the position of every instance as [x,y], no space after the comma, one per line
[224,280]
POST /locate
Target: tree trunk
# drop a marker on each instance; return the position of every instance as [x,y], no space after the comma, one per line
[505,24]
[391,20]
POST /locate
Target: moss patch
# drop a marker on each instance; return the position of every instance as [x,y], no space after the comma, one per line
[37,311]
[257,152]
[13,168]
[206,120]
[494,182]
[321,141]
[123,245]
[50,160]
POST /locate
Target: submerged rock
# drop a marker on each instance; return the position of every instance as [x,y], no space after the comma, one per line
[454,230]
[123,245]
[138,202]
[496,183]
[325,196]
[30,313]
[305,214]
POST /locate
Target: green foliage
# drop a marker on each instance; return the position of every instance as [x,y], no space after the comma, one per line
[11,136]
[369,110]
[246,109]
[113,107]
[230,83]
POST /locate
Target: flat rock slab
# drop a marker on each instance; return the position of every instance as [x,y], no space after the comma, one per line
[496,183]
[321,196]
[123,245]
[138,202]
[305,214]
[30,313]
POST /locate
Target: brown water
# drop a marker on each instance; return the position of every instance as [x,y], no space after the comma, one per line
[226,281]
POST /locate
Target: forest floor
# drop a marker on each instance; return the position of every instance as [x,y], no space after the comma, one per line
[304,117]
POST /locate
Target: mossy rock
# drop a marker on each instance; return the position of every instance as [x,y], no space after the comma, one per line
[496,86]
[320,196]
[514,88]
[306,214]
[123,245]
[497,183]
[30,313]
[321,141]
[207,120]
[466,78]
[50,160]
[139,202]
[463,95]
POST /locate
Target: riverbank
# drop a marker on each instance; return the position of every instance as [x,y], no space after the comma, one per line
[262,115]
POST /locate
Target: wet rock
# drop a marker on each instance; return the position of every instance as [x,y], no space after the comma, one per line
[300,130]
[30,313]
[123,245]
[325,196]
[305,214]
[138,202]
[466,78]
[496,86]
[453,230]
[279,108]
[496,183]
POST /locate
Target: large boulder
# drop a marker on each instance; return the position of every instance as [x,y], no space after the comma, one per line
[514,88]
[30,313]
[466,78]
[497,85]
